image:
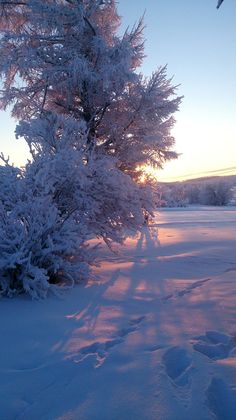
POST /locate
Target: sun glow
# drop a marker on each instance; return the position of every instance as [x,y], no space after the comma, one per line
[147,173]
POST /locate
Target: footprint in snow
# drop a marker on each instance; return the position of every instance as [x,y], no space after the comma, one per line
[215,345]
[132,326]
[183,292]
[221,399]
[178,365]
[100,350]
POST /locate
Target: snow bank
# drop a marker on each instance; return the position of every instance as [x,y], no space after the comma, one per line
[152,338]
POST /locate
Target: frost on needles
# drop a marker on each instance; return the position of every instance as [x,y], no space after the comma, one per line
[90,119]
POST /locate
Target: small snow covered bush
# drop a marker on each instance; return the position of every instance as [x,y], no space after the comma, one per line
[36,247]
[39,245]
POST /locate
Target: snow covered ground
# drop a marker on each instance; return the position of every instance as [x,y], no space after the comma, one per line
[152,337]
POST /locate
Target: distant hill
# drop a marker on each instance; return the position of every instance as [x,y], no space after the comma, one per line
[231,179]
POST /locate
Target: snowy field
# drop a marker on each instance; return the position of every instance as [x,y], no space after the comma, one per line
[153,336]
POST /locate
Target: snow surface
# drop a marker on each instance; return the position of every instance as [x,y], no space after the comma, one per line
[153,336]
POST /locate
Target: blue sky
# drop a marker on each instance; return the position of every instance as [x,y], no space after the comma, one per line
[198,44]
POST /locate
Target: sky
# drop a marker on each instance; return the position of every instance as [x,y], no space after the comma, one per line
[197,42]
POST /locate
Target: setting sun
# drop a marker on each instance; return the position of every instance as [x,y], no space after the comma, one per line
[147,172]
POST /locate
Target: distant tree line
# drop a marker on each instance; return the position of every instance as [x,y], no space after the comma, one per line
[212,193]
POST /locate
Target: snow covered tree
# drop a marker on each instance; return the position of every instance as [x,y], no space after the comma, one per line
[172,195]
[217,193]
[89,117]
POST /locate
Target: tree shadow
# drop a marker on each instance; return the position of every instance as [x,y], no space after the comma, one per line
[151,296]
